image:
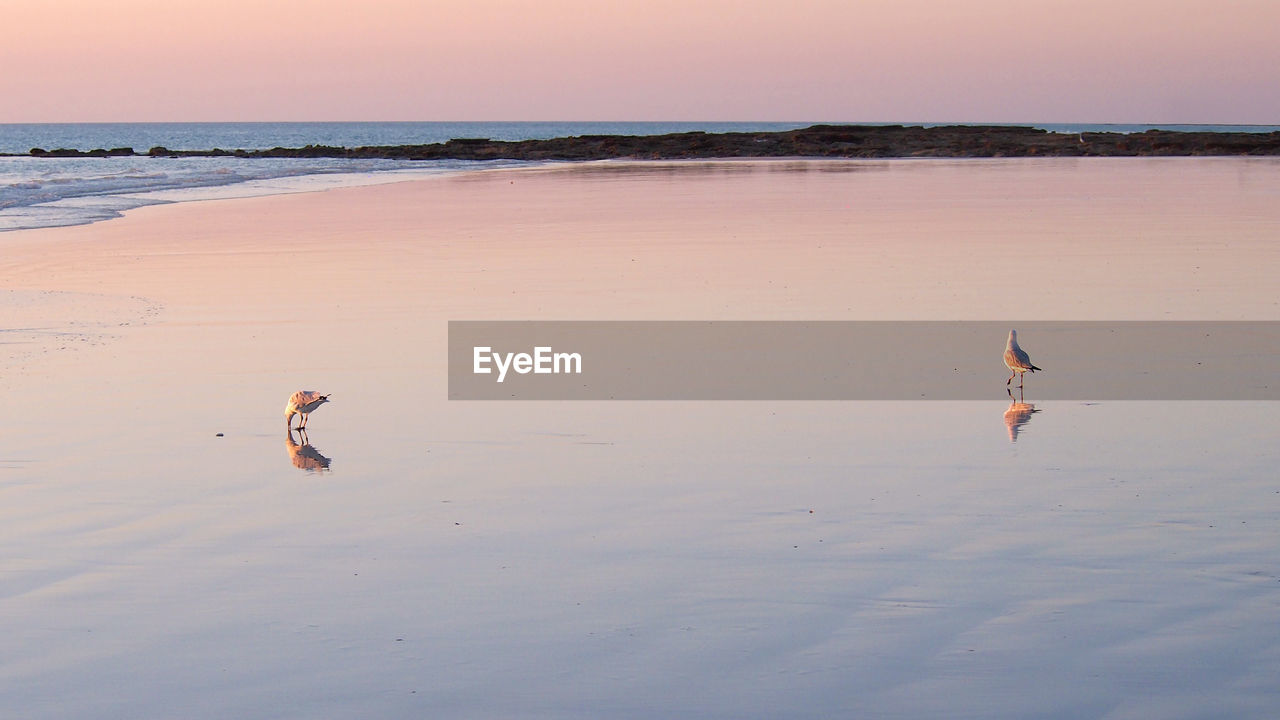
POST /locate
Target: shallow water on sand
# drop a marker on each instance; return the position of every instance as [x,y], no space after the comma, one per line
[765,560]
[725,560]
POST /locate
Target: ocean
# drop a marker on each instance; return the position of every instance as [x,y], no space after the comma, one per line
[50,192]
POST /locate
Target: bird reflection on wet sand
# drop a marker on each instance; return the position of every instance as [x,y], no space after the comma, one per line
[303,455]
[1018,414]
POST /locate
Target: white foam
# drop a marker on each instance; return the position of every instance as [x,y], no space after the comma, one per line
[49,192]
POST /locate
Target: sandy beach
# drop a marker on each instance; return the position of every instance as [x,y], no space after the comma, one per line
[168,552]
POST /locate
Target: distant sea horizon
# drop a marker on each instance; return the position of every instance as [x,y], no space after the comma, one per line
[21,138]
[48,192]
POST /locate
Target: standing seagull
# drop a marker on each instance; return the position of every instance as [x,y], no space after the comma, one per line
[1016,358]
[303,402]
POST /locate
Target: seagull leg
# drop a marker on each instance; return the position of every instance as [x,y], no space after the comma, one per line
[1009,381]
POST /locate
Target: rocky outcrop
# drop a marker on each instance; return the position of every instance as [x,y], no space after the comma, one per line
[841,141]
[98,152]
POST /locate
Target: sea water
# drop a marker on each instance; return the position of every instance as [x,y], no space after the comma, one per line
[47,192]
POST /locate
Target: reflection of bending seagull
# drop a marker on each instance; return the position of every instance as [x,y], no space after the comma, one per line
[1016,358]
[304,456]
[303,402]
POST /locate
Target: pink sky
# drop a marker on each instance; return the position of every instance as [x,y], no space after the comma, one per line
[1186,61]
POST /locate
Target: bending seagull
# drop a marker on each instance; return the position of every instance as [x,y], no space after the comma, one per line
[1016,358]
[303,402]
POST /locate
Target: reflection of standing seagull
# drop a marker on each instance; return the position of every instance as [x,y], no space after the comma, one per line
[1018,414]
[1016,358]
[303,402]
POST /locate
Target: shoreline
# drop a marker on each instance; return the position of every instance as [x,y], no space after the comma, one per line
[838,141]
[254,189]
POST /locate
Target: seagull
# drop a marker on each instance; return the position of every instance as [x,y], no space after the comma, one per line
[1016,358]
[303,402]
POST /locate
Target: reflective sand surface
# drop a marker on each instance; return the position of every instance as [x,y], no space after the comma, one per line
[631,559]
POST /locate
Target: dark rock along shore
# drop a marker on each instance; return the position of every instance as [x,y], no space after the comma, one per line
[836,141]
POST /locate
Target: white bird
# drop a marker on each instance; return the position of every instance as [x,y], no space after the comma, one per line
[1016,359]
[303,402]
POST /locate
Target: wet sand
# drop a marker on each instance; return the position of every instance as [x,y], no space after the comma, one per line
[630,559]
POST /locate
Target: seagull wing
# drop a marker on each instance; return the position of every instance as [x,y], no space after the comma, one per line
[305,397]
[1017,359]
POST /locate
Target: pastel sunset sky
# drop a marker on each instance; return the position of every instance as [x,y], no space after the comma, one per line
[1170,61]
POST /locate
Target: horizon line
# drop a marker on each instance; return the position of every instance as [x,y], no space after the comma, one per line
[662,121]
